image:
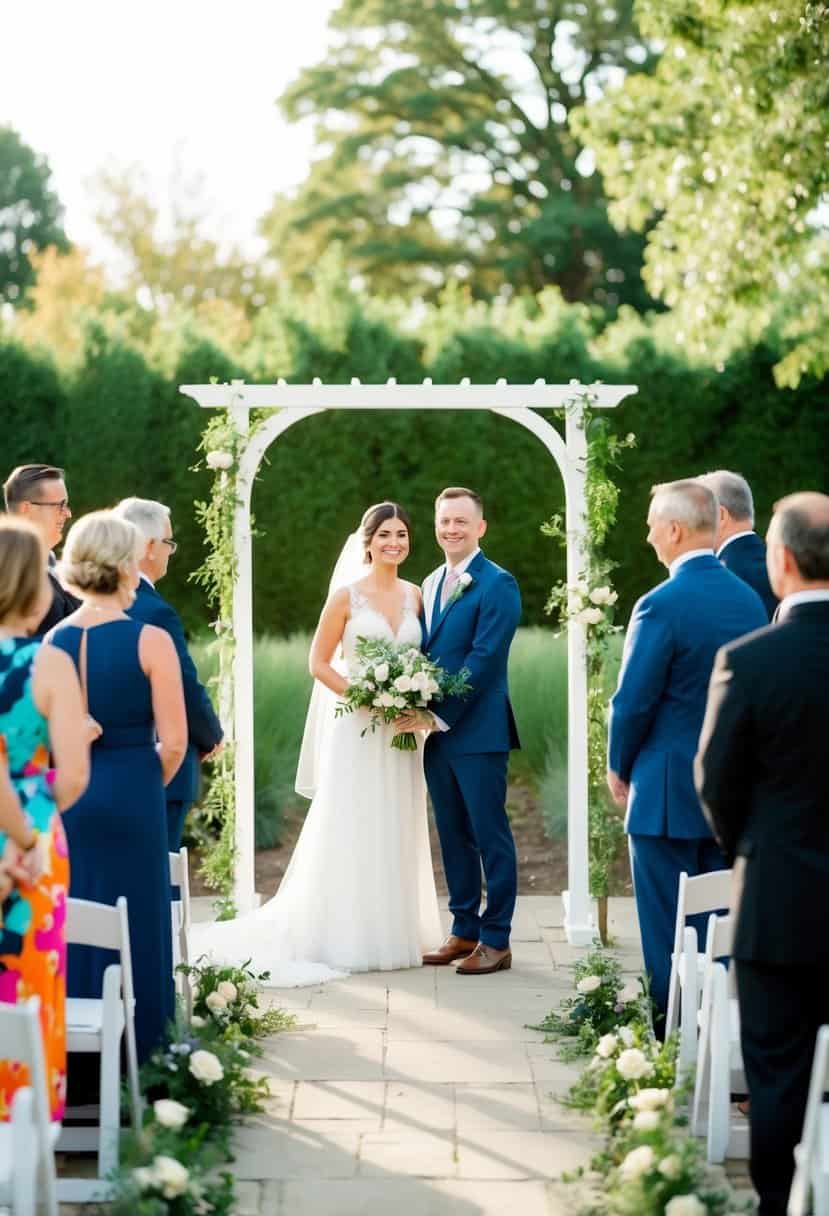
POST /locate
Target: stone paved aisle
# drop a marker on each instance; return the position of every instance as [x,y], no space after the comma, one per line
[422,1093]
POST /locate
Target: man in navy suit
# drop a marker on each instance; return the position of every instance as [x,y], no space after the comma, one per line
[657,710]
[471,611]
[204,729]
[38,493]
[739,548]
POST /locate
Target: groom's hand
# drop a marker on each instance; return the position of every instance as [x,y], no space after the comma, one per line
[414,719]
[619,789]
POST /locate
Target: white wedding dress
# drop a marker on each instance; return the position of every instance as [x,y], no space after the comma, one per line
[359,892]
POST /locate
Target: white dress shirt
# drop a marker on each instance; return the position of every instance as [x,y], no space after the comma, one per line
[801,597]
[686,557]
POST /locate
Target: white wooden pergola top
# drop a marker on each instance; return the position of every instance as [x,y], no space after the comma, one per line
[291,404]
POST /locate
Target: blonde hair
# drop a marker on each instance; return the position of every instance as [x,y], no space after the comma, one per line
[22,567]
[97,550]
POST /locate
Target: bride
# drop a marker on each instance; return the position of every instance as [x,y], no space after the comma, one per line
[359,892]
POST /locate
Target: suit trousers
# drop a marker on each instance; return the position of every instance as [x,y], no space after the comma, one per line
[469,798]
[656,863]
[781,1010]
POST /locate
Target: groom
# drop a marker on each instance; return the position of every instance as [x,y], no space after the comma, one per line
[471,610]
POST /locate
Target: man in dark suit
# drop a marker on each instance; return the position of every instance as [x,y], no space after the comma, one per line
[38,492]
[205,732]
[657,710]
[739,548]
[764,784]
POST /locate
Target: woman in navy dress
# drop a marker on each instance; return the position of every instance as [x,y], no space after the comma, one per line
[117,831]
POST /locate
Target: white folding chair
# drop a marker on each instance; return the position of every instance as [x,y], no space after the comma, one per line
[720,1062]
[811,1172]
[97,1024]
[180,915]
[698,895]
[689,972]
[27,1163]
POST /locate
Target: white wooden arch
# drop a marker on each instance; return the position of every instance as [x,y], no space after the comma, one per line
[518,402]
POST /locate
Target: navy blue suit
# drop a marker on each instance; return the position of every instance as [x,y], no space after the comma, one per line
[203,726]
[466,766]
[656,715]
[746,557]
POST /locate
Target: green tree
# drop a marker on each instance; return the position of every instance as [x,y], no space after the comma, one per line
[447,152]
[724,152]
[30,214]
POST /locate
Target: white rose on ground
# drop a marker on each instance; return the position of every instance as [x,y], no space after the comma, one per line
[250,1011]
[630,992]
[170,1113]
[670,1167]
[206,1067]
[171,1177]
[633,1064]
[589,984]
[646,1120]
[590,616]
[607,1045]
[215,1002]
[403,684]
[228,990]
[219,460]
[627,1036]
[638,1162]
[650,1099]
[381,673]
[685,1205]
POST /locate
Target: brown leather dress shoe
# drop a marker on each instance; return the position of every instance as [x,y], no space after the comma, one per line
[484,960]
[452,948]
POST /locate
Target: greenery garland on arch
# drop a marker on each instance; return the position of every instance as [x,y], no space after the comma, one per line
[590,601]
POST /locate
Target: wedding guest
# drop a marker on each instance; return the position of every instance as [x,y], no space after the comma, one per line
[117,831]
[37,492]
[152,519]
[41,712]
[657,710]
[739,548]
[762,778]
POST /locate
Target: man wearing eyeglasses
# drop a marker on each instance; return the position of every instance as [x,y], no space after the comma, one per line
[152,519]
[38,492]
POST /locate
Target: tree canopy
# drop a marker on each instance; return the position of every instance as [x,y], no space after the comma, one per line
[724,153]
[30,214]
[446,152]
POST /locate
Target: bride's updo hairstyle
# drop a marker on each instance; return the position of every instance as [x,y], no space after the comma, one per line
[376,516]
[98,550]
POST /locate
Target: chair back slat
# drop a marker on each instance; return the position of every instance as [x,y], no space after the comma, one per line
[807,1154]
[92,924]
[708,892]
[720,939]
[22,1041]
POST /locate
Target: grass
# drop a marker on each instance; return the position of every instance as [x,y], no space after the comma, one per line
[282,686]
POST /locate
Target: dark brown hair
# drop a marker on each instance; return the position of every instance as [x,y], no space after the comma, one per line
[22,567]
[460,492]
[375,517]
[21,482]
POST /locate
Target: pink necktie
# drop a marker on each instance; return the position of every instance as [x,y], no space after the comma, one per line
[449,585]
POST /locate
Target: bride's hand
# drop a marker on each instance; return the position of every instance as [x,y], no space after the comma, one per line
[413,719]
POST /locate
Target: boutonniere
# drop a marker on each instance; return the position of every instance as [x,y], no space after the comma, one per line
[464,582]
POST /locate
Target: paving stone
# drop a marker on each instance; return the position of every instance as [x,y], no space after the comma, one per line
[467,1024]
[414,1154]
[340,1100]
[248,1197]
[301,1150]
[481,1061]
[419,1106]
[490,1153]
[505,1107]
[326,1055]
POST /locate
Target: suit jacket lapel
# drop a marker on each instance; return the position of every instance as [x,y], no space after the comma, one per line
[431,588]
[439,617]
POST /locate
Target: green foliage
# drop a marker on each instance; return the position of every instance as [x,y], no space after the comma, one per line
[723,151]
[228,997]
[446,150]
[30,214]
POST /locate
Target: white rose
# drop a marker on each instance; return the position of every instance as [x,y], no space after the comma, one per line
[206,1067]
[403,684]
[599,595]
[143,1177]
[685,1205]
[670,1167]
[219,460]
[399,702]
[607,1046]
[250,1011]
[228,990]
[386,700]
[646,1120]
[627,1036]
[580,588]
[215,1002]
[590,616]
[633,1064]
[171,1177]
[197,1021]
[589,984]
[170,1113]
[650,1099]
[638,1162]
[381,673]
[465,580]
[629,993]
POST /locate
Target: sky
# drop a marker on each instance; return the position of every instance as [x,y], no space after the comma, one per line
[185,86]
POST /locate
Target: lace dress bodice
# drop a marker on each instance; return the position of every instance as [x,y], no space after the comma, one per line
[368,622]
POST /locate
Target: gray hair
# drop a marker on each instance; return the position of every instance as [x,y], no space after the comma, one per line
[733,491]
[686,502]
[806,536]
[150,518]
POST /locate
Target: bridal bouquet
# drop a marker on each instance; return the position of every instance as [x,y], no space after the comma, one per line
[390,679]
